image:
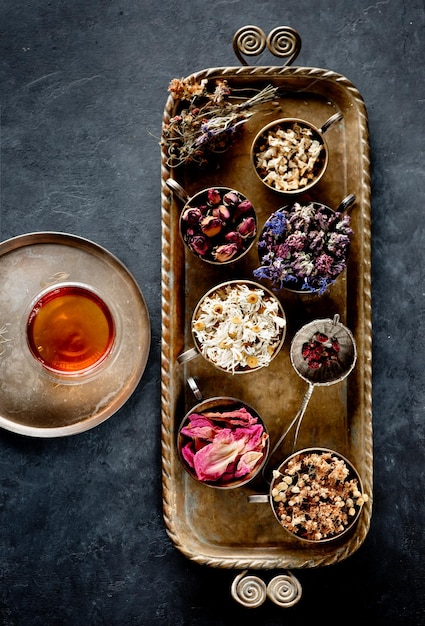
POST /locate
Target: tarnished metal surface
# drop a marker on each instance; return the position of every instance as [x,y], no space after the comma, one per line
[221,529]
[31,403]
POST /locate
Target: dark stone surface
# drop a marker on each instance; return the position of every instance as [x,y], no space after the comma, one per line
[82,90]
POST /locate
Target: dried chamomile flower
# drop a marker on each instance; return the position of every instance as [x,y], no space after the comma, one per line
[239,327]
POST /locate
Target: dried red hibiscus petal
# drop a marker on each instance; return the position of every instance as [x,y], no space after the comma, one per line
[320,351]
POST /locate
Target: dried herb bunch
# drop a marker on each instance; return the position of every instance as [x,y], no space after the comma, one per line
[304,247]
[207,122]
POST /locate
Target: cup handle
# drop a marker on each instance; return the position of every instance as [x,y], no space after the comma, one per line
[187,355]
[346,203]
[331,122]
[262,498]
[191,381]
[174,186]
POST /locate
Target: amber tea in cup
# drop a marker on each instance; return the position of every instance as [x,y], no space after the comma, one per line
[70,330]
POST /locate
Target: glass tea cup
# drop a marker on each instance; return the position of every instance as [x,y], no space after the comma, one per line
[238,326]
[71,332]
[217,224]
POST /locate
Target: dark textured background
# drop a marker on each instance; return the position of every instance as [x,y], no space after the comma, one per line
[83,85]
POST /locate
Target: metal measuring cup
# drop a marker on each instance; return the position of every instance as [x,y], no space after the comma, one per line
[217,224]
[352,506]
[266,248]
[222,292]
[210,418]
[289,124]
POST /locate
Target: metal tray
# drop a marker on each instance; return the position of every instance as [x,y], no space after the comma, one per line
[220,529]
[30,403]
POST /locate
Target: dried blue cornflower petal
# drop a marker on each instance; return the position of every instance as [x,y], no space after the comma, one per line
[305,246]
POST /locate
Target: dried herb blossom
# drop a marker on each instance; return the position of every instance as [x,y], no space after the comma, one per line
[315,496]
[239,327]
[304,247]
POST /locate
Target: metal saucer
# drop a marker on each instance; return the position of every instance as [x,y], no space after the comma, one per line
[31,403]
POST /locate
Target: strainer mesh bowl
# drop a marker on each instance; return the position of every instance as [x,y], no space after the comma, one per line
[336,355]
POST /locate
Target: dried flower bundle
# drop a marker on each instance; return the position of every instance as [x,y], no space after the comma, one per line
[316,495]
[304,247]
[209,123]
[239,327]
[223,447]
[219,225]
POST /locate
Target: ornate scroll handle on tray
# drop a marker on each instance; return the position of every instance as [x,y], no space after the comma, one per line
[282,41]
[251,591]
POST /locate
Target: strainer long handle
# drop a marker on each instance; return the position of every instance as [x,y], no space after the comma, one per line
[301,412]
[298,418]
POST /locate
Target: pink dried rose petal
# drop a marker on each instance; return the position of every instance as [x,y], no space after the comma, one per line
[236,417]
[188,454]
[247,463]
[200,427]
[250,437]
[212,461]
[224,445]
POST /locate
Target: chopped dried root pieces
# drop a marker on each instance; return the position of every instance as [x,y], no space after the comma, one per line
[288,158]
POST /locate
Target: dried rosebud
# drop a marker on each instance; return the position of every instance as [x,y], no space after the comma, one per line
[192,215]
[222,212]
[231,198]
[335,344]
[314,365]
[322,337]
[306,350]
[211,225]
[247,228]
[198,244]
[242,208]
[225,252]
[214,196]
[234,237]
